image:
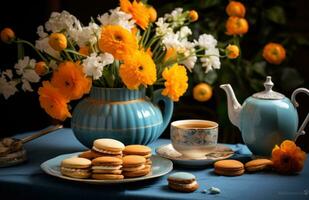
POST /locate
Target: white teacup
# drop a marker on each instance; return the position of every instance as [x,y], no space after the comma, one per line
[194,138]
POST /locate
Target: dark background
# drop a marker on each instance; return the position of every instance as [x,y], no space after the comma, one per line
[22,112]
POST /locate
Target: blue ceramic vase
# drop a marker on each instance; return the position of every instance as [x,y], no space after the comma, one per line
[122,114]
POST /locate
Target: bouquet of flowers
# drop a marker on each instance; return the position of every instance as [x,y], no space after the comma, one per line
[125,47]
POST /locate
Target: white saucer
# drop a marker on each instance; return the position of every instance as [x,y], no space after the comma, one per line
[219,153]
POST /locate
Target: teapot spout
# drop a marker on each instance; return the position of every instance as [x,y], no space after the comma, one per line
[234,107]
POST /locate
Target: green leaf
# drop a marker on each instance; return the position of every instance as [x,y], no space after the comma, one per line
[290,79]
[211,3]
[259,68]
[211,77]
[276,14]
[20,51]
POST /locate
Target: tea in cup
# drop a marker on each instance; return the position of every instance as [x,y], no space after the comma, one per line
[194,138]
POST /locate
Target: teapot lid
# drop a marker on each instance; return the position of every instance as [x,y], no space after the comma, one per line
[268,93]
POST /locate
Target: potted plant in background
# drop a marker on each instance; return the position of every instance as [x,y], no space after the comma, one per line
[117,59]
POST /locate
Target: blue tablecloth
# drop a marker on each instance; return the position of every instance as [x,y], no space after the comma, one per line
[28,181]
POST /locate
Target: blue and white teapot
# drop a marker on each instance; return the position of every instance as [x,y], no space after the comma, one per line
[266,118]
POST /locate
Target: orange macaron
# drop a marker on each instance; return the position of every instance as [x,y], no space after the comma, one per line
[134,166]
[107,167]
[229,168]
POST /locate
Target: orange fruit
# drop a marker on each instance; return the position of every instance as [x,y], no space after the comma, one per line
[202,92]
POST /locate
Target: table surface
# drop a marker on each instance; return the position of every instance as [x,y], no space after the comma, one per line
[28,181]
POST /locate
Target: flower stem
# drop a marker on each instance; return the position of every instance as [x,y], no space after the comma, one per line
[18,41]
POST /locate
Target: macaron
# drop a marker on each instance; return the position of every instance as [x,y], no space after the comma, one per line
[140,150]
[229,168]
[134,166]
[183,182]
[108,146]
[76,167]
[258,165]
[107,167]
[91,154]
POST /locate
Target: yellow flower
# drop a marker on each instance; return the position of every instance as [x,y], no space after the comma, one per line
[202,92]
[7,35]
[235,8]
[138,10]
[236,26]
[57,41]
[117,41]
[288,158]
[71,81]
[232,51]
[41,68]
[53,102]
[152,14]
[176,82]
[138,69]
[193,15]
[274,53]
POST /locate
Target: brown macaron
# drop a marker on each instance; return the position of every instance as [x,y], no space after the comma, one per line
[137,149]
[106,165]
[182,182]
[76,167]
[229,168]
[258,165]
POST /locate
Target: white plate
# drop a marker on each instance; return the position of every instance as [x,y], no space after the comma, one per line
[219,153]
[160,167]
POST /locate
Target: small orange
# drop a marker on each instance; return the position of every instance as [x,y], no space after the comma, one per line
[41,68]
[152,14]
[236,26]
[202,92]
[57,41]
[232,51]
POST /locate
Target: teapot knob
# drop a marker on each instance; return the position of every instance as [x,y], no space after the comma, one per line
[268,84]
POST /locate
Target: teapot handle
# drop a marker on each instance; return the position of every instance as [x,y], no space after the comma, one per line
[168,107]
[301,130]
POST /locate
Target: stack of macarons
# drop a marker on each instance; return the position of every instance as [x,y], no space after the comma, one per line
[110,159]
[135,166]
[140,150]
[107,168]
[236,168]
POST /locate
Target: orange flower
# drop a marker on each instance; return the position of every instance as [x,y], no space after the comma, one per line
[57,41]
[138,10]
[235,8]
[117,41]
[41,68]
[202,92]
[152,14]
[71,81]
[176,82]
[84,51]
[138,69]
[53,102]
[232,51]
[193,15]
[236,26]
[288,158]
[274,53]
[7,35]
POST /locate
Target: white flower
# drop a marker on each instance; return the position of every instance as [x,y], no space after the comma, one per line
[211,60]
[8,73]
[117,17]
[85,35]
[162,27]
[207,41]
[43,45]
[25,68]
[171,40]
[40,32]
[184,32]
[176,18]
[7,88]
[62,21]
[53,64]
[190,61]
[94,64]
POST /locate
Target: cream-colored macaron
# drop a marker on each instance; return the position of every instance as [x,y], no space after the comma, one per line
[108,146]
[76,167]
